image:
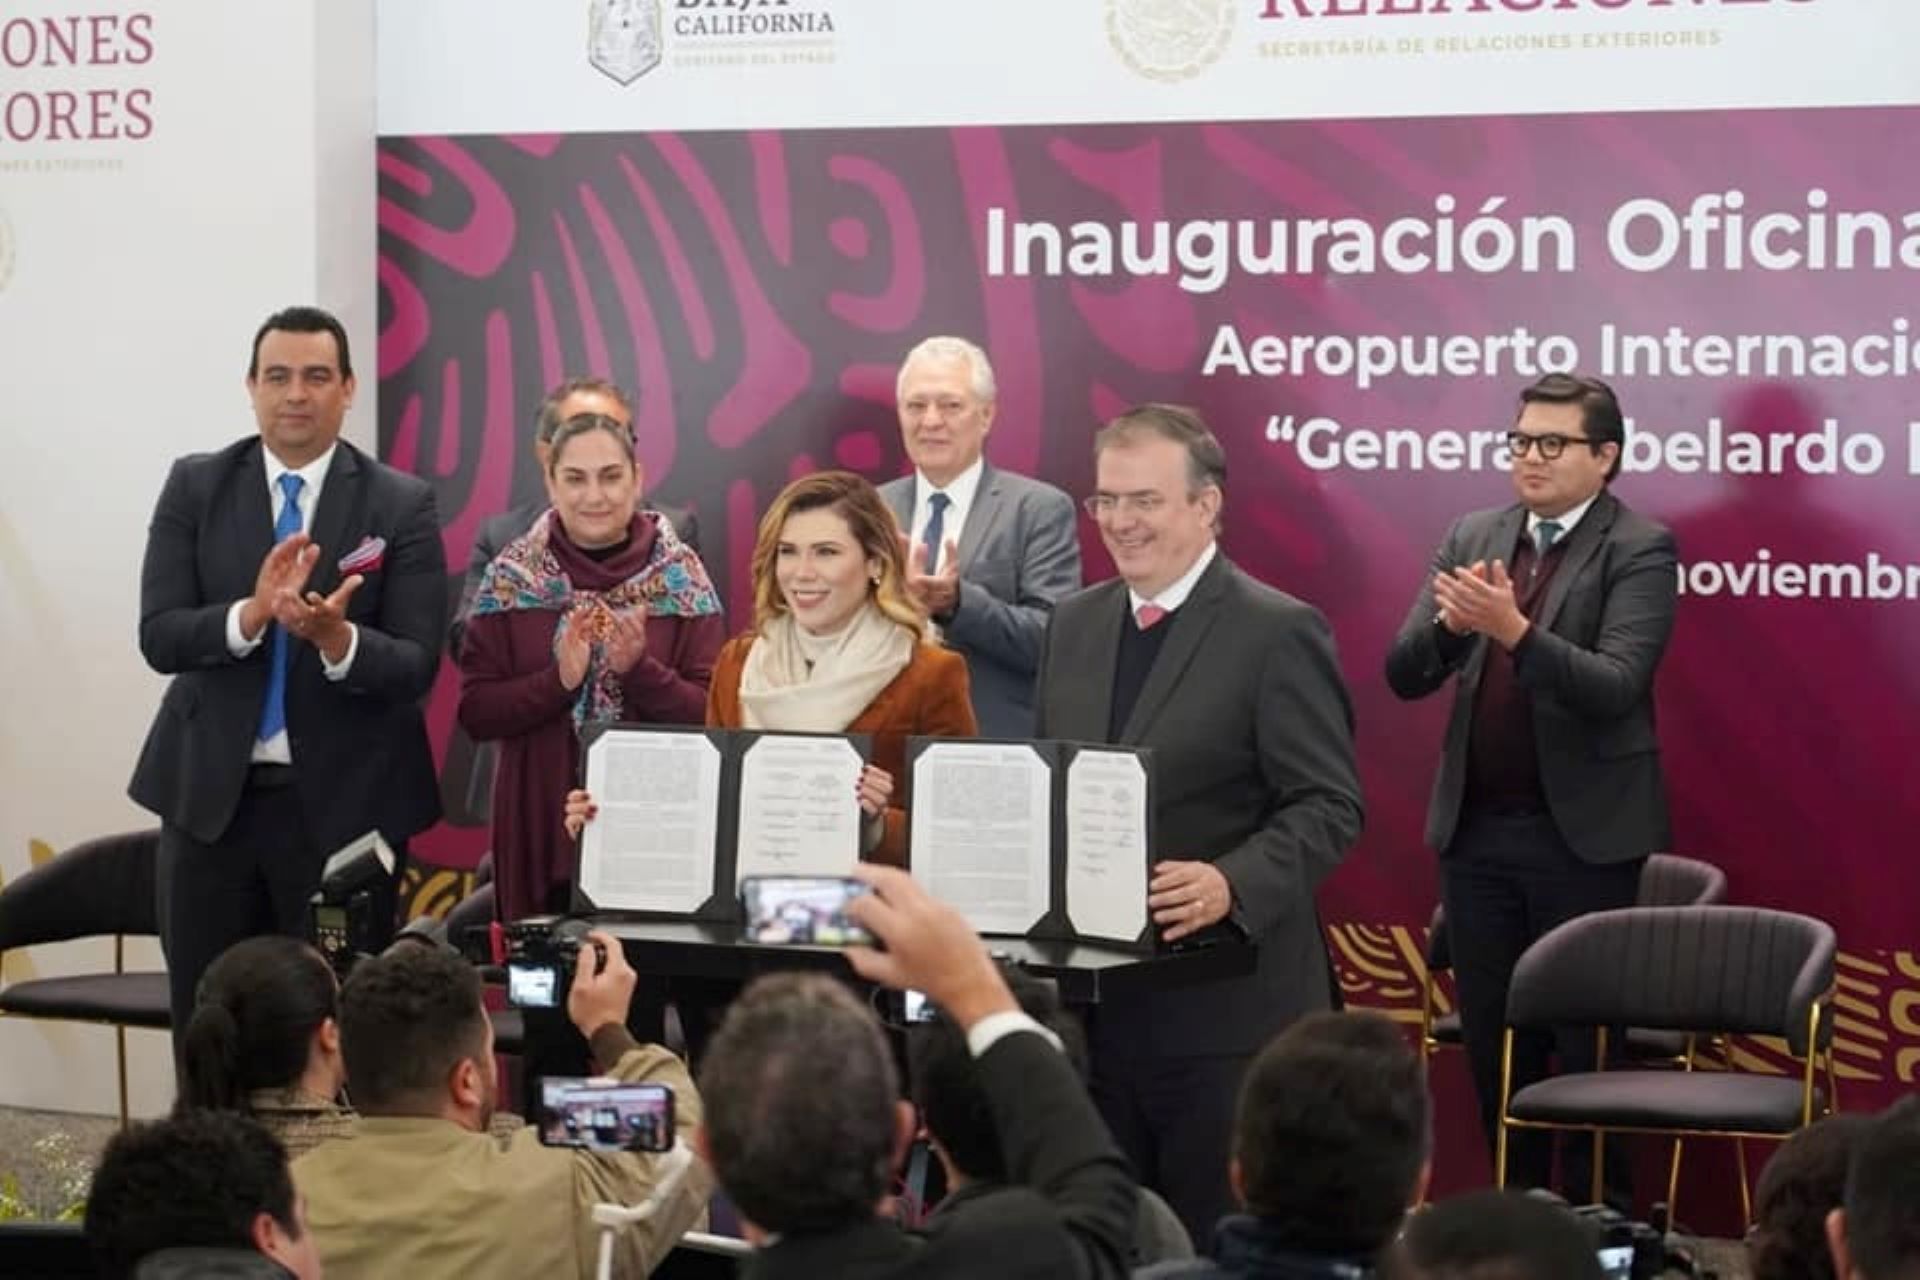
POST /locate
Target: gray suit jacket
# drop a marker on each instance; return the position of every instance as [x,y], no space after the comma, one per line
[1019,556]
[1252,738]
[1587,664]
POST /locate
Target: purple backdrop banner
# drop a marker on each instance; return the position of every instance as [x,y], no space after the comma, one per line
[1353,305]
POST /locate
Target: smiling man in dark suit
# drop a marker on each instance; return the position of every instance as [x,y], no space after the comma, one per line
[1236,689]
[295,590]
[1552,612]
[991,552]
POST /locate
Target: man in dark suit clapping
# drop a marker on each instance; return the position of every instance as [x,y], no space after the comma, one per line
[1550,615]
[295,590]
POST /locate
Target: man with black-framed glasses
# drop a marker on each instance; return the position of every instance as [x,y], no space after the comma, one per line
[1553,614]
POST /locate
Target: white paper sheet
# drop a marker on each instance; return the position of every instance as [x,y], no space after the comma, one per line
[798,811]
[1107,844]
[982,831]
[651,846]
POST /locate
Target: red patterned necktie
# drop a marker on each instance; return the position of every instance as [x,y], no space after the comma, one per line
[1148,614]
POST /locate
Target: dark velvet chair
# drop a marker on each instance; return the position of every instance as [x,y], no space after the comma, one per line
[99,888]
[1719,969]
[1668,880]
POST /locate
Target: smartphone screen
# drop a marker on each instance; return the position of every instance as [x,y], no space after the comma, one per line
[915,1007]
[600,1114]
[533,986]
[803,910]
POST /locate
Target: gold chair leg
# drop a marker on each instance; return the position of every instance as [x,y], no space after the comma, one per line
[1746,1186]
[1500,1129]
[120,1044]
[1594,1188]
[1673,1184]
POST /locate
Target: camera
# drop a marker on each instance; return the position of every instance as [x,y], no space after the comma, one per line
[1627,1249]
[602,1114]
[542,952]
[344,914]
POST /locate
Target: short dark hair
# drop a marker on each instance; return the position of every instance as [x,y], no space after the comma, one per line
[547,419]
[302,320]
[799,1089]
[1206,460]
[1332,1132]
[1600,417]
[946,1087]
[581,424]
[253,1020]
[407,1018]
[198,1179]
[1804,1181]
[1493,1235]
[1883,1195]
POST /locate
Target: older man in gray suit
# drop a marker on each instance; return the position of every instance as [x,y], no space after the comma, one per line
[991,552]
[1235,688]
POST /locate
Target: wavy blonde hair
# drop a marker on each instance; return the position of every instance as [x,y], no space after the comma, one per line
[874,529]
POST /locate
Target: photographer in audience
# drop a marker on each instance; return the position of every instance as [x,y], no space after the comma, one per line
[1331,1146]
[1876,1235]
[264,1040]
[805,1126]
[959,1119]
[1804,1182]
[421,1190]
[1493,1235]
[195,1196]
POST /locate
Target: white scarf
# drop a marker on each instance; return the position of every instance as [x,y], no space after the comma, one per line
[780,691]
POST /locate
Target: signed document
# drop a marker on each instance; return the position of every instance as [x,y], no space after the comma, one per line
[982,831]
[1107,844]
[652,846]
[799,812]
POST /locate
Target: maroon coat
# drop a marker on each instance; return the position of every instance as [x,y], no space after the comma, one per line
[510,692]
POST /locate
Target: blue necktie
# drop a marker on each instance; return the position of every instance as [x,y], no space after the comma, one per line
[1545,534]
[273,715]
[936,526]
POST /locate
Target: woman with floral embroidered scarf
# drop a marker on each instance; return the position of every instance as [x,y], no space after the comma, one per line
[598,612]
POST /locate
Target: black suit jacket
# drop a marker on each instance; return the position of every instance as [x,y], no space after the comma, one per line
[496,532]
[1253,769]
[359,745]
[1069,1218]
[1587,665]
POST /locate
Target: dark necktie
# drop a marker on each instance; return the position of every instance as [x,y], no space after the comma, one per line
[273,713]
[1545,534]
[936,529]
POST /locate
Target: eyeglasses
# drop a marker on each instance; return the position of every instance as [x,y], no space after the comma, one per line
[1551,445]
[1106,504]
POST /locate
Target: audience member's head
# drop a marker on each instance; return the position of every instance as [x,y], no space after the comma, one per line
[1804,1182]
[416,1037]
[1876,1235]
[804,1124]
[1332,1140]
[947,1089]
[203,1179]
[267,1017]
[1492,1235]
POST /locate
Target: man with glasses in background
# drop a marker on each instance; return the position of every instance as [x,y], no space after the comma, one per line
[1553,613]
